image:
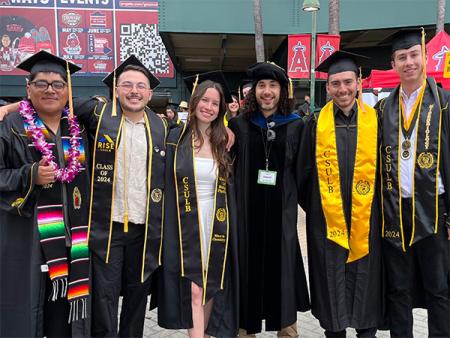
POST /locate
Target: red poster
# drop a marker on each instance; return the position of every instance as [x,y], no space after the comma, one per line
[138,34]
[24,33]
[326,45]
[85,38]
[299,56]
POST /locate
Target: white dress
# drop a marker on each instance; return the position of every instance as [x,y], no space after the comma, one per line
[205,176]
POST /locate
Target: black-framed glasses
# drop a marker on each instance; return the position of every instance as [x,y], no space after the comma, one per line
[128,86]
[43,85]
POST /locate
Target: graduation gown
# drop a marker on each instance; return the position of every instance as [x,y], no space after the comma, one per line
[387,108]
[342,294]
[22,284]
[272,276]
[174,291]
[104,133]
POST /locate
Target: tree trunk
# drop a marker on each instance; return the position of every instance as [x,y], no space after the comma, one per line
[440,16]
[259,37]
[333,17]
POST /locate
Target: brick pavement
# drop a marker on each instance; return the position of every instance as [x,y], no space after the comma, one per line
[308,326]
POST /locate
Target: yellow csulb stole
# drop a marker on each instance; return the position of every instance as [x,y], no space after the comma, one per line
[363,185]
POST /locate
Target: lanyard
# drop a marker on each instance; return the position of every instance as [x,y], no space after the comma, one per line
[268,141]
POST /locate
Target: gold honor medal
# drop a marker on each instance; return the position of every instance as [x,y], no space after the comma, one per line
[406,144]
[221,214]
[156,195]
[76,195]
[425,160]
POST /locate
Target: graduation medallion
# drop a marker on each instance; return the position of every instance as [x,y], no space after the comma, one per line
[425,160]
[76,195]
[406,154]
[406,144]
[221,214]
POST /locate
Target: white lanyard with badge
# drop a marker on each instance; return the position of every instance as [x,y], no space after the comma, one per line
[267,177]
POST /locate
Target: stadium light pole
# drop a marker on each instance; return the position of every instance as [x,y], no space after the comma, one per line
[312,6]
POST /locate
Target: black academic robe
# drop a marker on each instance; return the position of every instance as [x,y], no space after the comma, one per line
[89,113]
[272,276]
[342,295]
[22,284]
[174,291]
[444,170]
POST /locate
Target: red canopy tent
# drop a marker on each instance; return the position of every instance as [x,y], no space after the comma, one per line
[436,49]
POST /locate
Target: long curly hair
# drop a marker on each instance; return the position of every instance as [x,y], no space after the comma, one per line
[216,132]
[251,106]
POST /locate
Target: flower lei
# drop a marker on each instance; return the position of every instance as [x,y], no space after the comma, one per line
[64,175]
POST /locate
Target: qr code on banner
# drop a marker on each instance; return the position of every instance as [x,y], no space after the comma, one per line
[143,41]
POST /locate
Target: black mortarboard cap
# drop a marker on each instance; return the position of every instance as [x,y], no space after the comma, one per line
[45,62]
[405,38]
[216,76]
[267,71]
[132,60]
[246,83]
[341,61]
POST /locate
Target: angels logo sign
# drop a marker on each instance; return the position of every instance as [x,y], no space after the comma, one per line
[299,53]
[440,57]
[298,61]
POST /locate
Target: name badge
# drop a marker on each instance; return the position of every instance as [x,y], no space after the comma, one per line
[267,177]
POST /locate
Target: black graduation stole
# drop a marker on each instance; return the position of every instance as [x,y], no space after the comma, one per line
[207,272]
[107,139]
[426,168]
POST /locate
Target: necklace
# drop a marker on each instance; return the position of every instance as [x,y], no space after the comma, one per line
[64,175]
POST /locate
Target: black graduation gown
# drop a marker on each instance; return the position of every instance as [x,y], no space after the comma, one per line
[272,276]
[22,284]
[174,291]
[444,170]
[342,295]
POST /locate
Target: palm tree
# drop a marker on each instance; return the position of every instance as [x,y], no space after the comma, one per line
[440,16]
[333,17]
[259,37]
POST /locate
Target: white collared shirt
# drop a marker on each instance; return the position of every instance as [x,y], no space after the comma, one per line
[135,160]
[407,166]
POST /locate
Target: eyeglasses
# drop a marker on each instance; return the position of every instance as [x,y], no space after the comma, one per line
[128,86]
[43,85]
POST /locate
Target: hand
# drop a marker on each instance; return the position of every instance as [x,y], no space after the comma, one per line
[231,138]
[3,112]
[46,174]
[448,231]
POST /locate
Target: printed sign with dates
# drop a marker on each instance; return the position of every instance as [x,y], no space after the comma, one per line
[95,34]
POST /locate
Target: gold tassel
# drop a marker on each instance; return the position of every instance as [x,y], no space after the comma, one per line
[424,54]
[69,85]
[360,91]
[195,84]
[125,222]
[114,103]
[291,89]
[239,94]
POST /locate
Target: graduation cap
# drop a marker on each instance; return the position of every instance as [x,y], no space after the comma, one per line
[406,38]
[270,71]
[341,61]
[245,83]
[46,62]
[111,79]
[132,60]
[215,76]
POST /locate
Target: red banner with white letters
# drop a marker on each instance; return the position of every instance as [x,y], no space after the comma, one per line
[299,53]
[326,45]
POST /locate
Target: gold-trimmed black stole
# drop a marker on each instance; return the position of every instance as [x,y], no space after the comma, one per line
[106,143]
[426,168]
[207,272]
